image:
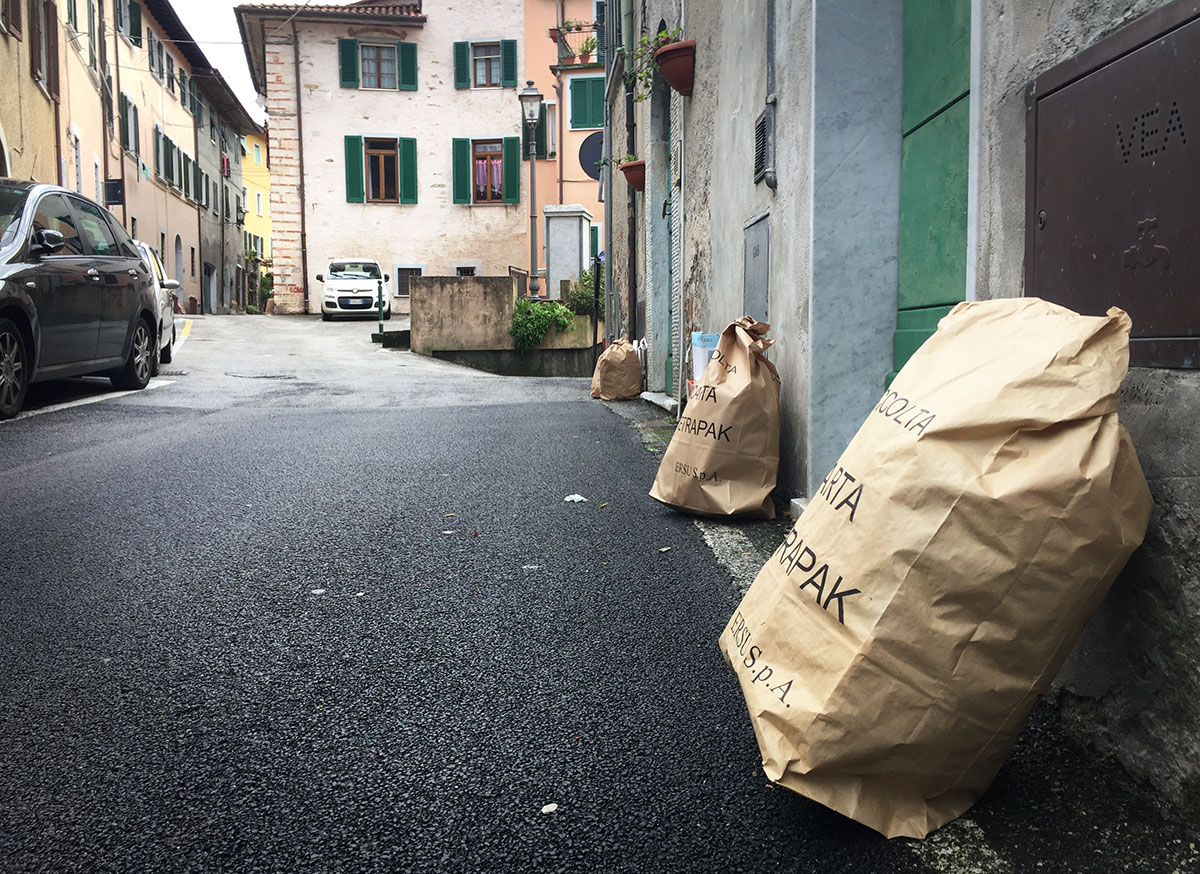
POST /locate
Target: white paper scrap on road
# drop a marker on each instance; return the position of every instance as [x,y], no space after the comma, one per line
[575,499]
[550,808]
[318,591]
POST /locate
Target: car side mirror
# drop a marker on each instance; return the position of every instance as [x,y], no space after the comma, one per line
[387,278]
[320,278]
[170,284]
[47,241]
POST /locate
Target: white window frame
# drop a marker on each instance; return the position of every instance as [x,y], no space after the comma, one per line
[396,268]
[396,60]
[551,128]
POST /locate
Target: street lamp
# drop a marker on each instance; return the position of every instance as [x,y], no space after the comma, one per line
[531,110]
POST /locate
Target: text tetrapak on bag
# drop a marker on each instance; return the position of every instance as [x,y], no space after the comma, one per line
[618,373]
[891,648]
[724,455]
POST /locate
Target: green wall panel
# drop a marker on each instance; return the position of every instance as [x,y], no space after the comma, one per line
[937,57]
[933,211]
[914,327]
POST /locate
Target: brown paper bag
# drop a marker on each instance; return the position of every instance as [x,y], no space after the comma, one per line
[724,455]
[891,648]
[618,373]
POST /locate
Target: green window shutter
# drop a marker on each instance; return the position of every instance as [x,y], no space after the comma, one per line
[541,132]
[512,170]
[461,153]
[348,62]
[462,66]
[595,240]
[123,113]
[157,151]
[135,23]
[579,103]
[354,170]
[508,63]
[408,170]
[407,54]
[596,101]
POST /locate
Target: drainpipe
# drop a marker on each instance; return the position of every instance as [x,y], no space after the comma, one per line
[300,149]
[631,144]
[681,334]
[115,104]
[560,14]
[769,175]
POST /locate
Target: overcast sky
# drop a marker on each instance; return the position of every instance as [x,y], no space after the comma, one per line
[212,24]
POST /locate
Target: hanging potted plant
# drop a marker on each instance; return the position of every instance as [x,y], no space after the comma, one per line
[677,62]
[644,64]
[634,170]
[553,31]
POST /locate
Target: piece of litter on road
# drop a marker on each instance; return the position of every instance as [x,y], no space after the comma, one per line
[449,515]
[318,591]
[550,808]
[447,533]
[530,567]
[359,594]
[605,504]
[665,549]
[575,499]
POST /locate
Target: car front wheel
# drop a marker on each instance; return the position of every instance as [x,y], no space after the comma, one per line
[14,369]
[136,372]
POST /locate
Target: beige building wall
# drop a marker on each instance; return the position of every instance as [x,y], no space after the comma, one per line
[81,115]
[27,112]
[434,234]
[158,213]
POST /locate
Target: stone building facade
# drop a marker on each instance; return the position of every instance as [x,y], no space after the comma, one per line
[848,171]
[382,118]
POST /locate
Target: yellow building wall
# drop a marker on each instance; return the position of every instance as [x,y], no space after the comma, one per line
[27,126]
[256,178]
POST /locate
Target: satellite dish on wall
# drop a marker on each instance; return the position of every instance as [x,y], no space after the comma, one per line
[590,152]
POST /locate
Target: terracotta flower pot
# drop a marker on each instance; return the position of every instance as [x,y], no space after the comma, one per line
[585,57]
[554,34]
[677,61]
[635,174]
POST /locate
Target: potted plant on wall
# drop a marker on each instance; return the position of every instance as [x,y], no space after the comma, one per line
[634,169]
[644,65]
[586,48]
[677,62]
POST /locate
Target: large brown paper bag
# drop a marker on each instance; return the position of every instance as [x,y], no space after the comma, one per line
[891,648]
[723,458]
[618,373]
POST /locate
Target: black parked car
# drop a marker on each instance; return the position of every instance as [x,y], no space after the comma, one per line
[75,295]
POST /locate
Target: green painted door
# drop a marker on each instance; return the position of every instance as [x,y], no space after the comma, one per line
[933,169]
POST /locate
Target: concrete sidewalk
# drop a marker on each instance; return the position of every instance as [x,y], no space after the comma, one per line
[1054,807]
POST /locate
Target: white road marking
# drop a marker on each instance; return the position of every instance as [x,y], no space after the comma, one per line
[92,399]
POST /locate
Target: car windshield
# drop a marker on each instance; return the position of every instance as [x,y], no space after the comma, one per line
[12,203]
[354,270]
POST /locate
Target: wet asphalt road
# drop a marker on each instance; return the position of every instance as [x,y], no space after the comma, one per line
[242,631]
[312,606]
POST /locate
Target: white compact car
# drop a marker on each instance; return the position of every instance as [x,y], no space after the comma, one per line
[352,287]
[166,312]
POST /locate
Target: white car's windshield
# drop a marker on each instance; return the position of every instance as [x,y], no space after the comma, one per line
[354,270]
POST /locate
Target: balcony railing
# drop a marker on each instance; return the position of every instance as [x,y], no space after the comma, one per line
[580,42]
